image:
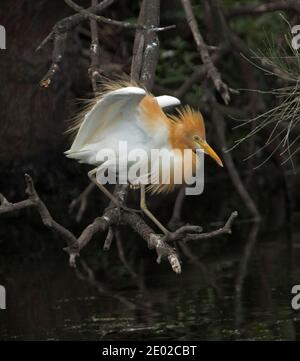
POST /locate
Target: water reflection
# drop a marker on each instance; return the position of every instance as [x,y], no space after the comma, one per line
[233,288]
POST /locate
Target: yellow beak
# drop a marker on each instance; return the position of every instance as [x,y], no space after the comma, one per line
[208,150]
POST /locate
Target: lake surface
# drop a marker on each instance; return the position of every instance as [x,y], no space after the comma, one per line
[232,288]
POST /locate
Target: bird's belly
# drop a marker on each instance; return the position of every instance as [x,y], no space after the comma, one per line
[129,149]
[129,141]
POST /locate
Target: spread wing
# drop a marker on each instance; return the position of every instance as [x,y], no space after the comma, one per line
[111,108]
[116,116]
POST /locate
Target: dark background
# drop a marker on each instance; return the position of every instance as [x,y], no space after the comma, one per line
[232,287]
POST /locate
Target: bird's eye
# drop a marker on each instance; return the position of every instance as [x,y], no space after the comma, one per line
[196,138]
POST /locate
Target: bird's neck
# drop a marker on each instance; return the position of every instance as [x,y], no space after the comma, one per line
[177,136]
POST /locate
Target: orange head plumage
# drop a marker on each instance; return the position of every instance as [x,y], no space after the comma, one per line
[187,131]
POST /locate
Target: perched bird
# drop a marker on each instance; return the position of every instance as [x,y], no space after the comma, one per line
[125,112]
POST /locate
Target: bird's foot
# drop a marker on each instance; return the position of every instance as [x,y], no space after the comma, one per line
[134,186]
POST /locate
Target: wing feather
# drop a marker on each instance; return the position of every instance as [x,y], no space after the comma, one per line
[127,113]
[110,108]
[167,101]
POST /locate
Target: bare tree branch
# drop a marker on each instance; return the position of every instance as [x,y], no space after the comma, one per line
[111,217]
[61,30]
[89,15]
[143,68]
[59,36]
[176,220]
[212,71]
[94,71]
[199,73]
[35,201]
[109,238]
[67,24]
[57,57]
[226,229]
[138,47]
[81,202]
[151,43]
[219,124]
[122,256]
[258,9]
[89,276]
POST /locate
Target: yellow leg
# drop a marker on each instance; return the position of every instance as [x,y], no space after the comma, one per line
[148,213]
[92,176]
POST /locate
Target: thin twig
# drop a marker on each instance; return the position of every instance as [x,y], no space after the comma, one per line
[59,35]
[68,23]
[199,73]
[212,71]
[124,24]
[176,220]
[109,238]
[94,50]
[89,276]
[226,229]
[81,202]
[258,9]
[122,256]
[219,124]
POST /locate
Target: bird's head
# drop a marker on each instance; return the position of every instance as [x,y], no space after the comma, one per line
[189,133]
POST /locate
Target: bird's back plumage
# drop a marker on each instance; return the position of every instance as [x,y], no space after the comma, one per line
[122,113]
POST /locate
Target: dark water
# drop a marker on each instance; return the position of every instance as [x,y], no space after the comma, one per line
[236,288]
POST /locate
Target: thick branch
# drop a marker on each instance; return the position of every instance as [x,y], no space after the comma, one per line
[94,49]
[144,66]
[138,48]
[151,43]
[111,217]
[35,201]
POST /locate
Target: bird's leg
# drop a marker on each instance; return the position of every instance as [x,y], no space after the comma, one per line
[92,176]
[148,213]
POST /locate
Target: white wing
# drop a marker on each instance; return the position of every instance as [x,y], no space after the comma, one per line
[167,101]
[107,110]
[116,117]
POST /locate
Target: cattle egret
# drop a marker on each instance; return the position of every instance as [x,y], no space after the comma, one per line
[125,112]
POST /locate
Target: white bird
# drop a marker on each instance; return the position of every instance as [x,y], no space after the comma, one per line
[125,112]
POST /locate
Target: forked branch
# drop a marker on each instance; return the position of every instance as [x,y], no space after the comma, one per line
[212,71]
[112,217]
